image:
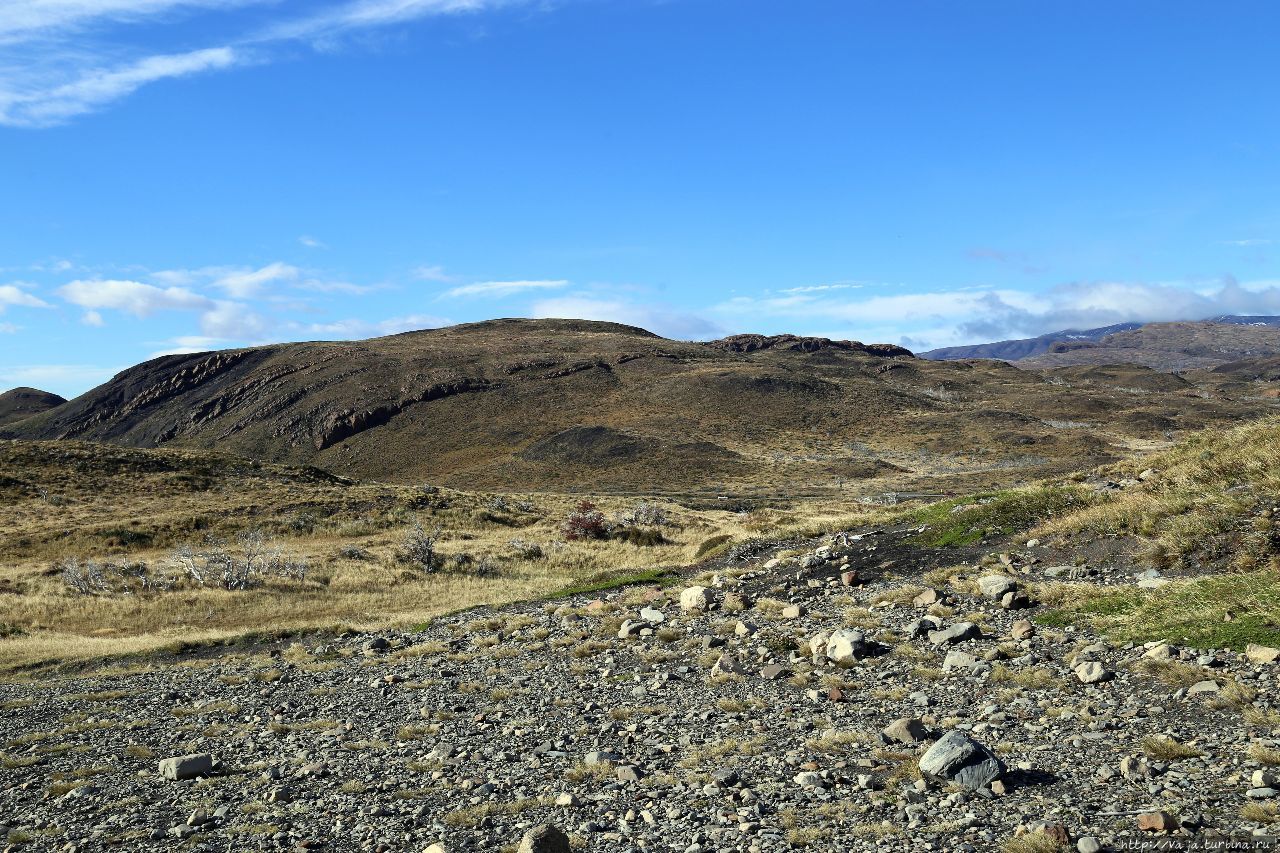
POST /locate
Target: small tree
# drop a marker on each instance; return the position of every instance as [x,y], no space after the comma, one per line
[585,522]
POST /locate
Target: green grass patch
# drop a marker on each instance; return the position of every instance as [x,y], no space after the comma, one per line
[969,520]
[1194,611]
[712,546]
[612,580]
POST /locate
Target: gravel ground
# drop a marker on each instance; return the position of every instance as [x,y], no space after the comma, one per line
[780,703]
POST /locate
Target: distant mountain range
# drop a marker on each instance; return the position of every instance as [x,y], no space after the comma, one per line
[1161,346]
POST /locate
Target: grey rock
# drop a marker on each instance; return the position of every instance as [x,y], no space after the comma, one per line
[996,586]
[956,633]
[544,839]
[958,758]
[187,766]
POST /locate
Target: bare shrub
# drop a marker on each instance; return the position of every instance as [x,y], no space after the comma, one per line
[526,550]
[644,514]
[241,566]
[89,577]
[418,548]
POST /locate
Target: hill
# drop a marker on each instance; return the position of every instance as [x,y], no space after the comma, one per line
[20,403]
[1012,350]
[568,405]
[1160,346]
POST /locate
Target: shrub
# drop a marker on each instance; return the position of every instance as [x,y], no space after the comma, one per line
[638,536]
[644,514]
[525,550]
[418,548]
[93,578]
[712,545]
[254,557]
[585,522]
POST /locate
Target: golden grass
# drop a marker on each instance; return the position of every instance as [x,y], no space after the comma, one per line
[349,536]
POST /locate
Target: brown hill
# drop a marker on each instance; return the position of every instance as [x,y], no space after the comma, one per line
[22,403]
[574,405]
[1167,346]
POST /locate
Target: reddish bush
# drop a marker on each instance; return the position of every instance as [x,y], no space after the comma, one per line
[585,522]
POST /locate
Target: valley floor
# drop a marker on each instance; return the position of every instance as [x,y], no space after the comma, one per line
[633,722]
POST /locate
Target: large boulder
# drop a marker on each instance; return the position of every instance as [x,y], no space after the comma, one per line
[544,839]
[958,758]
[847,645]
[957,633]
[696,598]
[187,766]
[996,586]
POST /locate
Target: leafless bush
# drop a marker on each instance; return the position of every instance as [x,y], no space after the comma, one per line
[87,578]
[93,578]
[418,548]
[644,514]
[526,550]
[239,567]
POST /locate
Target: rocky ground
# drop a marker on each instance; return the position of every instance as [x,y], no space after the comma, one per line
[855,694]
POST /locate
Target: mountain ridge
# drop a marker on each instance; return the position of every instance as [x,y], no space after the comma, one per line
[516,404]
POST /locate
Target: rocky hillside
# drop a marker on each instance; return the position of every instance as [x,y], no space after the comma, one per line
[20,403]
[1160,346]
[573,405]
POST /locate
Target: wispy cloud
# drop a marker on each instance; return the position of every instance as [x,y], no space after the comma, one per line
[665,320]
[312,242]
[819,288]
[12,294]
[31,103]
[504,288]
[433,272]
[55,64]
[1251,241]
[244,284]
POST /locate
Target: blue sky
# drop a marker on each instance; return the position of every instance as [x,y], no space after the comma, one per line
[178,175]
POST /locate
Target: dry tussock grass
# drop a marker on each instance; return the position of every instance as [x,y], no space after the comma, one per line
[144,503]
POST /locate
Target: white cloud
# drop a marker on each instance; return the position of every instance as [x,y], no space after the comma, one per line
[363,14]
[30,101]
[346,287]
[56,72]
[503,288]
[945,318]
[234,321]
[8,329]
[663,320]
[65,379]
[132,297]
[187,344]
[31,18]
[312,242]
[12,294]
[1248,242]
[93,318]
[819,288]
[358,329]
[244,284]
[433,272]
